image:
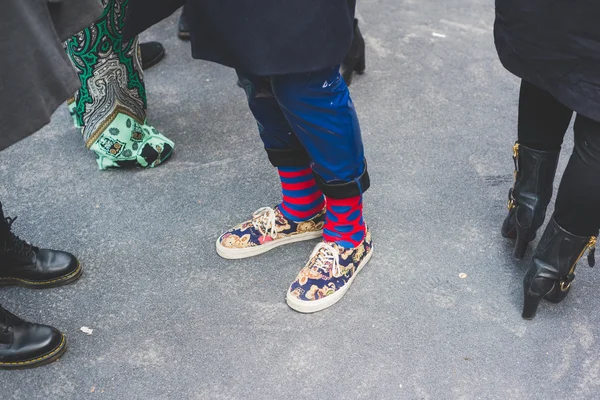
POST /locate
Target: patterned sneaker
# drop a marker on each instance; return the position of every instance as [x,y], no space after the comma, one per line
[267,229]
[328,275]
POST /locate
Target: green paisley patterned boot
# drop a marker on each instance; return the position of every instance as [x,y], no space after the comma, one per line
[110,107]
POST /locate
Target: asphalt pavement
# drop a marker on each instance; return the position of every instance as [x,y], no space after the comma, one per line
[434,315]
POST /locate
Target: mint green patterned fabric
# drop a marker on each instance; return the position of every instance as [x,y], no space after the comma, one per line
[110,107]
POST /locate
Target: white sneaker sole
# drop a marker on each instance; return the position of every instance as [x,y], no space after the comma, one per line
[236,254]
[307,307]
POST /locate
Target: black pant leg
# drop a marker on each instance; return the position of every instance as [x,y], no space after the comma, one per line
[578,200]
[543,120]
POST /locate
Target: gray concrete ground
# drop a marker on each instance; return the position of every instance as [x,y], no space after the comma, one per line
[172,320]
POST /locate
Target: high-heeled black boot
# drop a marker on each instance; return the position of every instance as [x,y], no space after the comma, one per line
[552,267]
[355,60]
[530,195]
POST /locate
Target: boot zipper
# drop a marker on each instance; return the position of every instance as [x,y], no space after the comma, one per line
[511,200]
[591,246]
[591,254]
[516,158]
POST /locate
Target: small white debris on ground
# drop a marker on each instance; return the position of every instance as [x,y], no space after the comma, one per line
[462,275]
[438,34]
[86,330]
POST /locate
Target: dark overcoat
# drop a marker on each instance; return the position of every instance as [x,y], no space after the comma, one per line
[554,44]
[260,37]
[36,75]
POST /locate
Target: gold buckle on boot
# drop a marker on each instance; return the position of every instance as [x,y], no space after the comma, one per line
[511,204]
[563,287]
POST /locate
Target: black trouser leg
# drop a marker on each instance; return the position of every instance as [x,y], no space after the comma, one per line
[543,120]
[578,200]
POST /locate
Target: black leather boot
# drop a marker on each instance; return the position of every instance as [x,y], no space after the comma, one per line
[355,60]
[26,345]
[151,53]
[530,195]
[183,27]
[552,268]
[26,265]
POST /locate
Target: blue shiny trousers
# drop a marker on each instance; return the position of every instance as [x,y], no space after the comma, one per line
[309,119]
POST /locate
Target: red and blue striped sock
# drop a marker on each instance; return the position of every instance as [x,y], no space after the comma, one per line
[302,198]
[344,222]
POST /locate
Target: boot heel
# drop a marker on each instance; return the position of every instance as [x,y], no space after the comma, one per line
[361,64]
[521,244]
[530,305]
[347,75]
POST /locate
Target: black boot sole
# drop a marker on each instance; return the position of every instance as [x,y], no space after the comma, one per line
[38,362]
[63,280]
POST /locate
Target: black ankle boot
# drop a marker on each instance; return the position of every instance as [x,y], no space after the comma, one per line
[151,53]
[26,345]
[553,266]
[26,265]
[529,197]
[183,27]
[355,60]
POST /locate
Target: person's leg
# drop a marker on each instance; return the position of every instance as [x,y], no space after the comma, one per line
[574,225]
[319,109]
[543,121]
[302,199]
[110,107]
[577,202]
[300,215]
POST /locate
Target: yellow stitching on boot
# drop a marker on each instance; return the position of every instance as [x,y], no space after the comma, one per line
[47,282]
[42,358]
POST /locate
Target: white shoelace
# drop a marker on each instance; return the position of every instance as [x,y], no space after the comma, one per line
[327,256]
[264,220]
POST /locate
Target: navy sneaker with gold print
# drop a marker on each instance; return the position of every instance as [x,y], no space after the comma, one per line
[326,277]
[268,228]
